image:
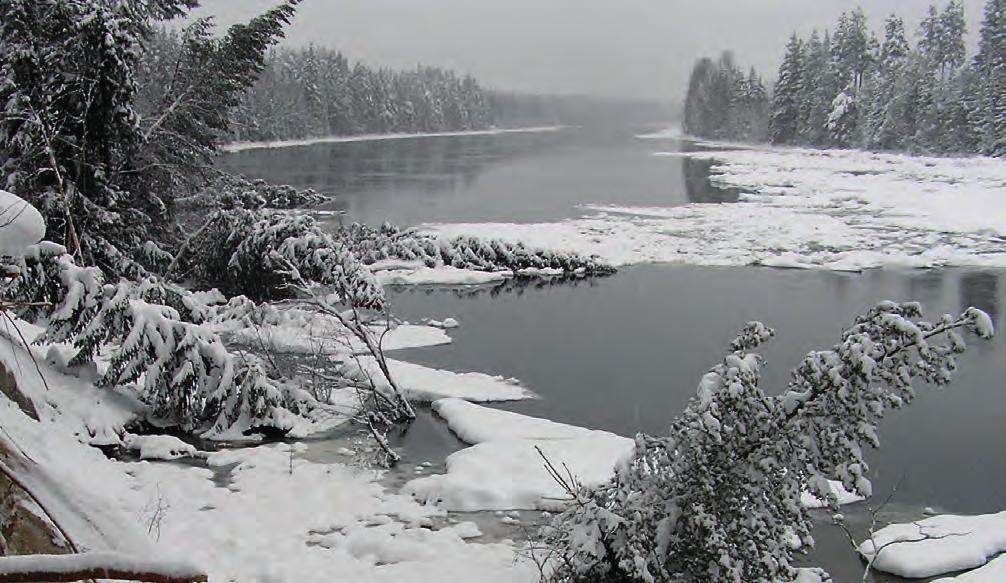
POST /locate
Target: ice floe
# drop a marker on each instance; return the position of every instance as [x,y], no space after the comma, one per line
[504,469]
[938,545]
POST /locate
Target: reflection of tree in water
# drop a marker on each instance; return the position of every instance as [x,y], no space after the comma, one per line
[358,167]
[517,286]
[699,188]
[980,289]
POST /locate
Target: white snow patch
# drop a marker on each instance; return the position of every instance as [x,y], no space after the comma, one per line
[159,447]
[937,545]
[242,146]
[504,469]
[830,209]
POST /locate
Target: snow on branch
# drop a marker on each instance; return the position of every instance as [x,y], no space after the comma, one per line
[185,373]
[390,242]
[114,566]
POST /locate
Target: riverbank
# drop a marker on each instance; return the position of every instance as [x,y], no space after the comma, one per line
[266,145]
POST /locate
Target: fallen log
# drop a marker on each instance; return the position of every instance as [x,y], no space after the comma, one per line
[113,566]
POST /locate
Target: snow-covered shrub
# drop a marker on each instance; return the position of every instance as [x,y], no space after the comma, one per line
[229,191]
[718,498]
[261,253]
[182,370]
[390,242]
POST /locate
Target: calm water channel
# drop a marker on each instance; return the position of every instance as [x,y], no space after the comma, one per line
[625,353]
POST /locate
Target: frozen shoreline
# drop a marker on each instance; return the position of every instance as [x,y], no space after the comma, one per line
[243,146]
[808,209]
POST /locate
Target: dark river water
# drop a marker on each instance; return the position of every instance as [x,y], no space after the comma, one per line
[625,353]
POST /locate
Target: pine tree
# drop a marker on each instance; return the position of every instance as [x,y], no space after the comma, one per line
[784,123]
[990,84]
[821,85]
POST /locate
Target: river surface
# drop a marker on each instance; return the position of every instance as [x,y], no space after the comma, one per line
[625,353]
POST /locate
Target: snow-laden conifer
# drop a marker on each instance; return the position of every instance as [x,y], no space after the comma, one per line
[718,497]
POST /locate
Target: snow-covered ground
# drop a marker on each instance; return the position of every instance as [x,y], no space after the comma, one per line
[242,146]
[840,210]
[277,518]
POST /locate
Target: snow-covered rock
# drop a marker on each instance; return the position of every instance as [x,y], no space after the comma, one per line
[938,545]
[21,225]
[504,469]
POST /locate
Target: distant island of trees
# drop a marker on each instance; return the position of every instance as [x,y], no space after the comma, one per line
[847,88]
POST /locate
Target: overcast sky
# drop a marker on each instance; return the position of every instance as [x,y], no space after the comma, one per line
[627,48]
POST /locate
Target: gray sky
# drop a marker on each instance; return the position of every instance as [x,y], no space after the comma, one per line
[626,48]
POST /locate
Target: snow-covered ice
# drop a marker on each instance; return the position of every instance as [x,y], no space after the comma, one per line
[504,470]
[242,146]
[938,545]
[831,209]
[992,572]
[421,383]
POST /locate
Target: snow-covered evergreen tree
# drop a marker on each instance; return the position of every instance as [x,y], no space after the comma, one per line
[990,81]
[784,123]
[719,497]
[151,334]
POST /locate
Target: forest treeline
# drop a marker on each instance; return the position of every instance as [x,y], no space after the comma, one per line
[850,88]
[317,91]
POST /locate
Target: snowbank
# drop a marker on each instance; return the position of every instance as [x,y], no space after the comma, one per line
[937,545]
[242,146]
[159,447]
[839,210]
[277,518]
[21,225]
[504,469]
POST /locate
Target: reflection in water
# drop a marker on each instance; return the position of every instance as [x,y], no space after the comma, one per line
[699,187]
[981,290]
[516,286]
[513,177]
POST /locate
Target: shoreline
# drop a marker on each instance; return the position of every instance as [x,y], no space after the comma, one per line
[234,147]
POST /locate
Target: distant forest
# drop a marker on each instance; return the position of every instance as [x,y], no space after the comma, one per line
[847,88]
[317,91]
